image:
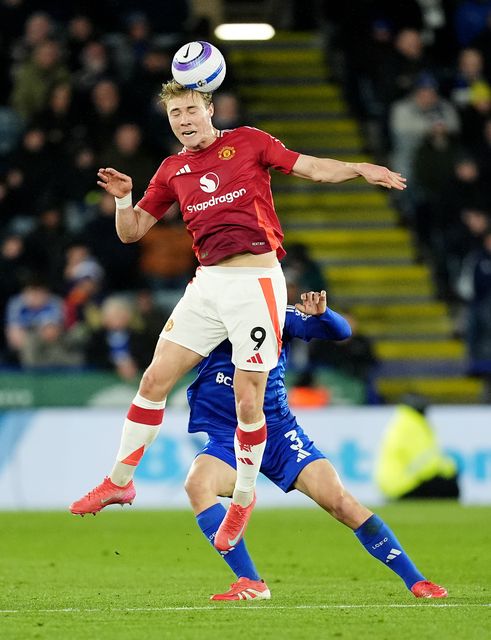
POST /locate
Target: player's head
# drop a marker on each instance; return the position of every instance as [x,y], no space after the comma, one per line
[189,114]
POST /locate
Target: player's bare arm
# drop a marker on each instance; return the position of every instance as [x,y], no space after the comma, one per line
[131,223]
[314,303]
[334,171]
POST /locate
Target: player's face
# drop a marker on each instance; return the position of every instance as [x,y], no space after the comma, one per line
[190,120]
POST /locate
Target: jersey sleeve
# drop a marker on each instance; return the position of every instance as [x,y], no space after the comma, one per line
[272,152]
[328,326]
[158,196]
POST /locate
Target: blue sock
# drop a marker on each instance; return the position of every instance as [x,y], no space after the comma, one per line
[382,544]
[238,559]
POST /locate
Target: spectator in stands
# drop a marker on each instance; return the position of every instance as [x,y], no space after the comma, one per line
[60,120]
[145,102]
[411,119]
[470,69]
[303,270]
[463,239]
[433,167]
[475,288]
[150,318]
[83,280]
[78,185]
[227,113]
[466,189]
[409,62]
[167,259]
[116,346]
[31,177]
[376,85]
[38,28]
[130,47]
[36,77]
[478,222]
[411,463]
[354,356]
[119,261]
[128,152]
[94,67]
[351,28]
[80,31]
[46,245]
[15,269]
[106,114]
[475,115]
[33,306]
[49,346]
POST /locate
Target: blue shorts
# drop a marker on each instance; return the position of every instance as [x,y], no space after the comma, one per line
[287,452]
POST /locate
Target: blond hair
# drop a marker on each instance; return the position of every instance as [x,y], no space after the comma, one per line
[173,89]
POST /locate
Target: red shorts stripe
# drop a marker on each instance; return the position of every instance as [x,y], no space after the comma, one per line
[268,292]
[152,417]
[252,437]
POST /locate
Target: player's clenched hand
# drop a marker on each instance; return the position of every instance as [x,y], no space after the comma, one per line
[313,303]
[116,183]
[375,174]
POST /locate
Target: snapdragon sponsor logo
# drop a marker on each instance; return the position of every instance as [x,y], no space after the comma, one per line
[214,200]
[209,182]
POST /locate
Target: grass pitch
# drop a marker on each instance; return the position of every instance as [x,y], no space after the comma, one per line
[130,574]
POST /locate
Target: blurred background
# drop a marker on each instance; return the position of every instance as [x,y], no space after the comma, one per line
[401,83]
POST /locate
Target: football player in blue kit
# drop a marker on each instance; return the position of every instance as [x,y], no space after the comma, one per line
[212,473]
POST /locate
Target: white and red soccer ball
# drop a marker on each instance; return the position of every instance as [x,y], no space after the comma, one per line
[200,66]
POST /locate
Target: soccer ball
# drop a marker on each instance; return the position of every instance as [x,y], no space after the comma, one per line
[200,66]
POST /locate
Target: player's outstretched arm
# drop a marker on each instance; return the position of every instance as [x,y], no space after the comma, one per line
[334,171]
[321,322]
[131,223]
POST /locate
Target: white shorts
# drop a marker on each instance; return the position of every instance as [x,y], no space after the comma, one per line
[245,305]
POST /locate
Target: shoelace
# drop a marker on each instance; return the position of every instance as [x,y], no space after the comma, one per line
[237,586]
[97,491]
[235,515]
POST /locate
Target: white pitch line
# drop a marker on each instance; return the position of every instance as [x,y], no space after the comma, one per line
[256,607]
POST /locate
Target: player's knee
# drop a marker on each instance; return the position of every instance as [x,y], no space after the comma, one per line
[197,486]
[249,410]
[340,505]
[151,386]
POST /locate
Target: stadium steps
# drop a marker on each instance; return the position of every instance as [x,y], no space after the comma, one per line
[351,229]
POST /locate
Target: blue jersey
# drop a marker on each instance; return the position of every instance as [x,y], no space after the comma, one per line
[211,398]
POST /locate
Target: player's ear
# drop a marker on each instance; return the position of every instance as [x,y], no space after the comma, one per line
[211,109]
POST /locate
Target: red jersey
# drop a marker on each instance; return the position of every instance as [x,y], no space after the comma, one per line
[224,192]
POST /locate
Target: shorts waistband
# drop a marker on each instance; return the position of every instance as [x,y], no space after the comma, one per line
[241,271]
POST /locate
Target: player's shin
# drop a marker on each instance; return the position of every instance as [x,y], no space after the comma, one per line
[141,427]
[238,559]
[381,543]
[249,444]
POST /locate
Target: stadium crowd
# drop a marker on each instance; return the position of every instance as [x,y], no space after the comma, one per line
[79,85]
[417,74]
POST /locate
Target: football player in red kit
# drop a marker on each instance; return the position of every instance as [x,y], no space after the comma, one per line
[221,182]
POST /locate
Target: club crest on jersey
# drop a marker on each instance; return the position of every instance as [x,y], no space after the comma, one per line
[226,153]
[169,324]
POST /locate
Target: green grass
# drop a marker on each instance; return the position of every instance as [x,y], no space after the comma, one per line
[133,574]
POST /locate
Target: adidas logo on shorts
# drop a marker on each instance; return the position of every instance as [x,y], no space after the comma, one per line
[255,359]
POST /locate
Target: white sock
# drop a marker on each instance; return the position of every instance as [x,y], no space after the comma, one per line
[249,444]
[141,427]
